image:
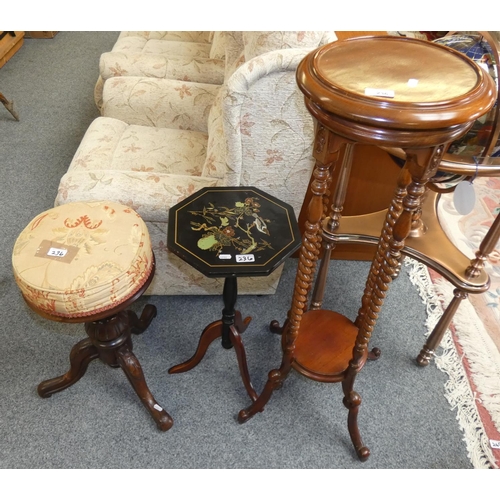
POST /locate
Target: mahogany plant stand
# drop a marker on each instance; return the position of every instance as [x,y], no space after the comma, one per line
[389,92]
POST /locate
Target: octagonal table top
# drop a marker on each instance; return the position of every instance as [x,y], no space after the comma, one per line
[233,231]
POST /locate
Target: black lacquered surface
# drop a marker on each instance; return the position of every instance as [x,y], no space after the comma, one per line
[233,231]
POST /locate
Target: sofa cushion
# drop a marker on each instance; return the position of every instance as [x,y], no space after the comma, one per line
[82,259]
[147,168]
[111,144]
[159,103]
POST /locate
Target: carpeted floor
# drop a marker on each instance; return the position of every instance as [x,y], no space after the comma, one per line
[404,419]
[474,335]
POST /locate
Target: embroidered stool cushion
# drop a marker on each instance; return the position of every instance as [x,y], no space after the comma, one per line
[81,259]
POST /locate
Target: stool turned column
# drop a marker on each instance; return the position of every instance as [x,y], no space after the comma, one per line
[87,263]
[389,92]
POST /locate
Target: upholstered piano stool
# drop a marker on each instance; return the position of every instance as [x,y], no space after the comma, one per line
[86,263]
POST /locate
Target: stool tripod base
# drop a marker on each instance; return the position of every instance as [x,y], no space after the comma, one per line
[110,341]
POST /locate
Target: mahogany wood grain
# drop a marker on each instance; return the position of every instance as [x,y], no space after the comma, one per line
[324,345]
[344,35]
[371,187]
[452,92]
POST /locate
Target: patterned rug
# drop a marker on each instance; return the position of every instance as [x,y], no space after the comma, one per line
[470,351]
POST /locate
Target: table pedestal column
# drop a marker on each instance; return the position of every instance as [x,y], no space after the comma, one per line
[228,329]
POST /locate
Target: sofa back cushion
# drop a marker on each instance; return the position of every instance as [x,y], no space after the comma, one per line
[256,43]
[260,42]
[226,44]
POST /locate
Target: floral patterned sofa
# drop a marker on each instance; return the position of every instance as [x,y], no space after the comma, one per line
[197,56]
[160,140]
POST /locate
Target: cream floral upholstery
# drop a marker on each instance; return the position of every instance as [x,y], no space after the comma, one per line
[197,56]
[107,258]
[161,140]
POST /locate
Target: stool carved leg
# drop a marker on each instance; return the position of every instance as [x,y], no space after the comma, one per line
[110,341]
[9,106]
[139,325]
[133,370]
[80,357]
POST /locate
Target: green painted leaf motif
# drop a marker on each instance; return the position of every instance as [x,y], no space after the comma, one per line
[207,242]
[224,221]
[239,204]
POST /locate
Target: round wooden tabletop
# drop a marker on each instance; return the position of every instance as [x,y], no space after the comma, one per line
[376,86]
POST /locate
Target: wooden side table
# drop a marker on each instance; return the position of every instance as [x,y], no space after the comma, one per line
[231,232]
[389,92]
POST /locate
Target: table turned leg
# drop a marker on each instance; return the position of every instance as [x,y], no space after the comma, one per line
[330,225]
[434,339]
[229,329]
[326,153]
[422,165]
[487,246]
[393,212]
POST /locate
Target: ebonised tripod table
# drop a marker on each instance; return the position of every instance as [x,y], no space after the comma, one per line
[231,232]
[388,92]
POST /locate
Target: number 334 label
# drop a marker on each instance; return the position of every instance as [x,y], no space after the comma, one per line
[245,258]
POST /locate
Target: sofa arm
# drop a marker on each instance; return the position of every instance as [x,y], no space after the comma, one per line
[268,129]
[150,194]
[158,102]
[199,69]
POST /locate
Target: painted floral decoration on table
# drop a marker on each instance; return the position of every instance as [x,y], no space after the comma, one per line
[241,227]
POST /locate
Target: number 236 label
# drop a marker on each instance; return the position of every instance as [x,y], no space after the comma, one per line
[57,252]
[245,258]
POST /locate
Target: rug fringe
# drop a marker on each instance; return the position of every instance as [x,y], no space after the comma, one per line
[482,353]
[458,391]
